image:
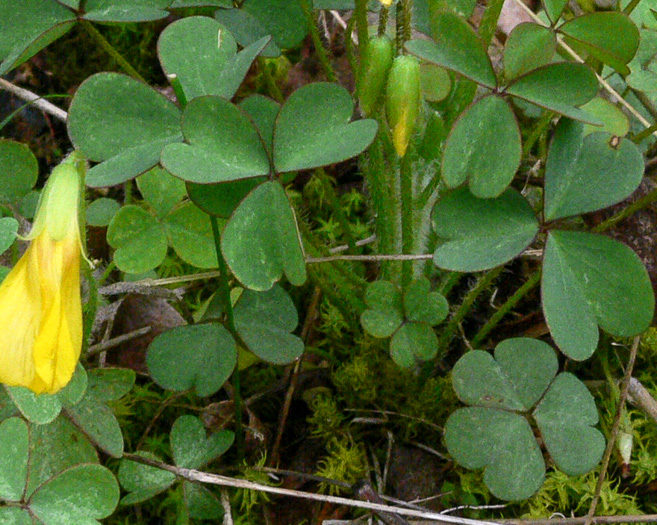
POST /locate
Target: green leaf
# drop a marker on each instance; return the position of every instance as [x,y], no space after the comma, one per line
[27,27]
[554,8]
[80,495]
[264,321]
[528,46]
[143,481]
[39,409]
[72,393]
[424,306]
[455,47]
[18,170]
[587,173]
[14,443]
[217,68]
[94,417]
[263,112]
[484,146]
[196,356]
[386,309]
[500,441]
[192,448]
[8,232]
[201,503]
[99,423]
[435,82]
[313,129]
[566,417]
[223,145]
[590,280]
[14,516]
[261,242]
[161,190]
[282,19]
[143,122]
[7,407]
[110,384]
[559,87]
[247,30]
[190,233]
[126,10]
[222,199]
[514,380]
[54,448]
[481,233]
[138,239]
[613,119]
[101,212]
[611,37]
[179,4]
[412,344]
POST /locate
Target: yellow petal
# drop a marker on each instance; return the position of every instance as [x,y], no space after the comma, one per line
[20,319]
[59,340]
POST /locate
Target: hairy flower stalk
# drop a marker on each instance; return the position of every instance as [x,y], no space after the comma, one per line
[40,305]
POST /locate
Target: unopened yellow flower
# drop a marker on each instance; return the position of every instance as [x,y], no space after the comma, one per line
[40,306]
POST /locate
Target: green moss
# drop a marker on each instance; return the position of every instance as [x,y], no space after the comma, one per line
[346,461]
[573,495]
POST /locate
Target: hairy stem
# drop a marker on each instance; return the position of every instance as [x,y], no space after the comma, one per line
[110,50]
[317,41]
[510,303]
[482,285]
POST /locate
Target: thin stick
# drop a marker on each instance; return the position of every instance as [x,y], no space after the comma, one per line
[225,481]
[640,397]
[625,385]
[579,59]
[597,520]
[36,100]
[225,503]
[382,257]
[111,343]
[294,378]
[163,406]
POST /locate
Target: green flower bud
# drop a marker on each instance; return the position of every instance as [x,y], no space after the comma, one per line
[403,98]
[374,72]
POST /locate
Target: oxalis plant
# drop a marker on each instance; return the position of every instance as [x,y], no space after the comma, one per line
[468,162]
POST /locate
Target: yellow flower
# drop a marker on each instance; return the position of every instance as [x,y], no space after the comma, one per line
[40,306]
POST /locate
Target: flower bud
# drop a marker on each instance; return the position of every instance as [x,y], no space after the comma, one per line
[374,72]
[40,305]
[403,99]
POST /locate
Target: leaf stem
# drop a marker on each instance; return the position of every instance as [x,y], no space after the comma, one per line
[224,293]
[625,386]
[362,30]
[317,40]
[110,50]
[484,282]
[403,16]
[488,23]
[407,213]
[506,308]
[383,201]
[384,15]
[643,202]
